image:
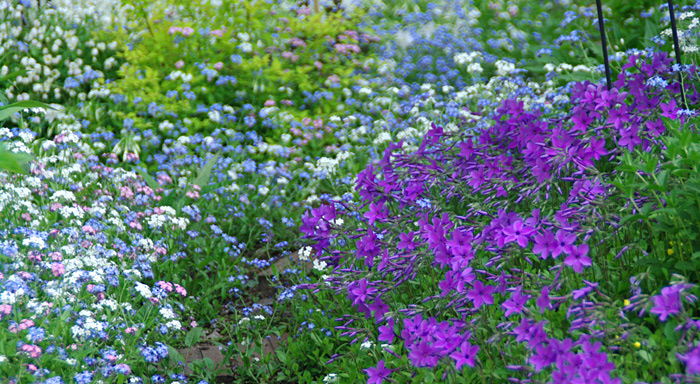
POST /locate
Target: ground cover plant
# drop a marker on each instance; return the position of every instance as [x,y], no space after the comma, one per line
[378,192]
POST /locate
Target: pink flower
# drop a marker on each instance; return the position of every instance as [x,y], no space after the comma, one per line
[181,290]
[217,32]
[174,29]
[89,230]
[58,269]
[218,66]
[318,65]
[130,330]
[26,216]
[187,31]
[269,103]
[179,64]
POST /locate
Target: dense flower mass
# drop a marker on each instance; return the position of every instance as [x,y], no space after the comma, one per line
[469,200]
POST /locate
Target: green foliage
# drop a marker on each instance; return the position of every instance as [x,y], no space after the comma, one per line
[663,186]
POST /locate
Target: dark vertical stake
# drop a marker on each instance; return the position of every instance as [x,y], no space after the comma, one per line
[604,43]
[676,48]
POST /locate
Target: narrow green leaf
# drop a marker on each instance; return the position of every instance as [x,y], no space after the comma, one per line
[148,178]
[203,177]
[11,109]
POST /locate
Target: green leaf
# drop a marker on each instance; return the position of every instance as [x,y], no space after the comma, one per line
[193,336]
[174,354]
[203,177]
[685,265]
[147,178]
[11,109]
[9,162]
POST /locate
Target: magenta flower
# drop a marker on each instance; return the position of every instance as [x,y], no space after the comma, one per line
[481,294]
[515,304]
[377,375]
[666,304]
[518,232]
[465,355]
[545,244]
[578,257]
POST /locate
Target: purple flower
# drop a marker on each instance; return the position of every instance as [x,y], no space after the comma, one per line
[460,244]
[515,303]
[386,332]
[359,291]
[423,355]
[406,241]
[518,232]
[578,257]
[465,355]
[378,374]
[376,212]
[564,239]
[691,360]
[670,110]
[543,301]
[545,244]
[666,304]
[481,294]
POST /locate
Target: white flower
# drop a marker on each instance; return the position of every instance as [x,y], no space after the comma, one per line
[366,345]
[330,378]
[305,253]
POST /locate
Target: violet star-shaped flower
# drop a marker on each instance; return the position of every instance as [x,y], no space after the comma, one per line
[378,374]
[465,355]
[578,257]
[666,305]
[515,303]
[481,294]
[518,232]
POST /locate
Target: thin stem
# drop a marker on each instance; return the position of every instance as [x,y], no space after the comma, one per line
[677,49]
[604,43]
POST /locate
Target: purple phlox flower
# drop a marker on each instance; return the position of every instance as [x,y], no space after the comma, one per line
[376,212]
[666,304]
[442,257]
[447,284]
[359,291]
[481,294]
[545,244]
[423,355]
[534,221]
[629,138]
[607,99]
[385,260]
[670,109]
[691,359]
[522,331]
[564,239]
[379,308]
[460,244]
[596,149]
[406,241]
[465,355]
[581,122]
[656,127]
[543,300]
[378,374]
[545,354]
[518,232]
[541,171]
[466,149]
[464,277]
[516,303]
[578,257]
[386,332]
[447,340]
[367,247]
[618,117]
